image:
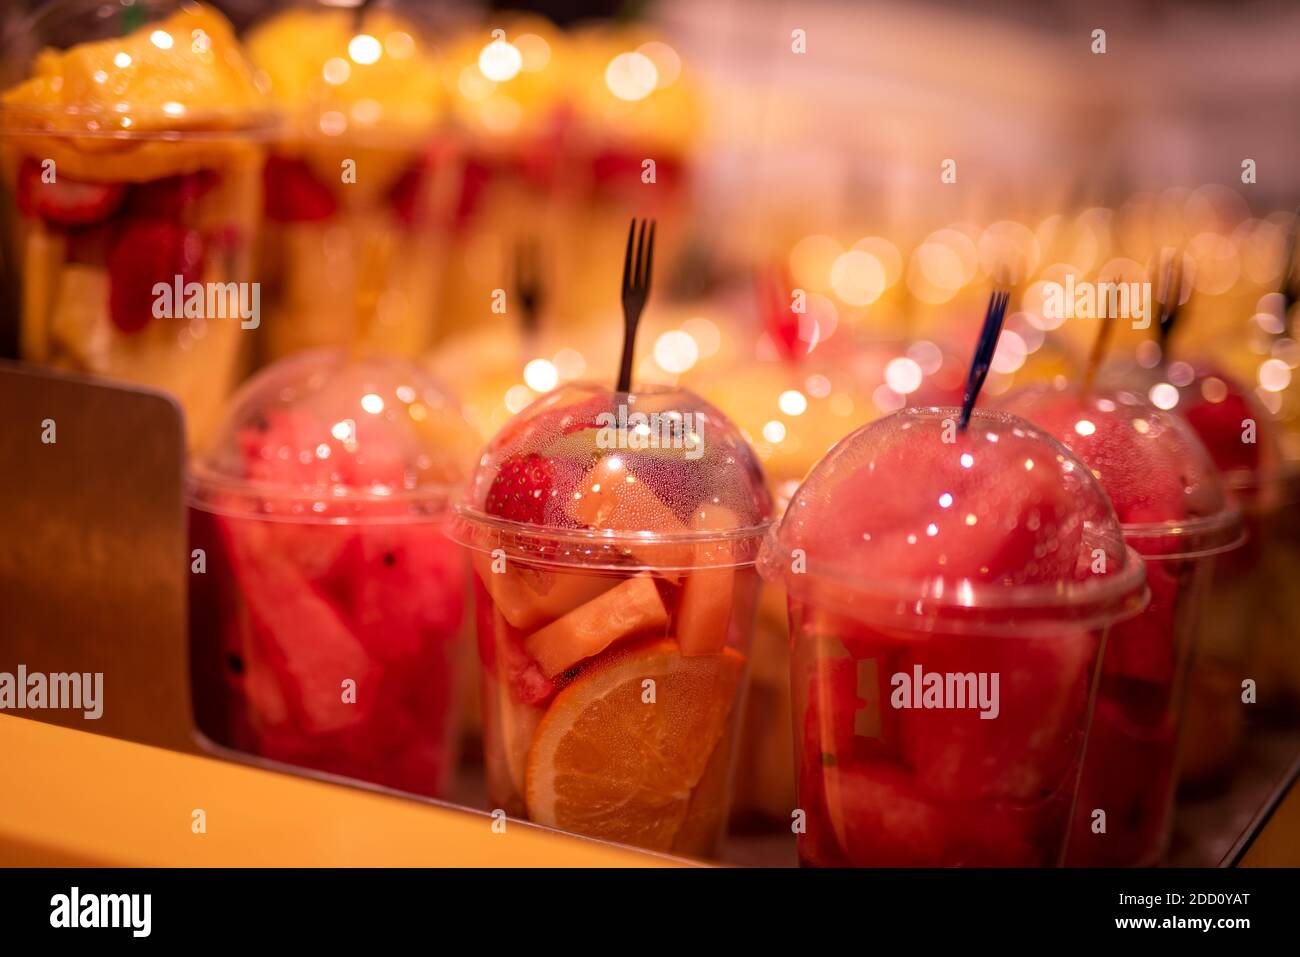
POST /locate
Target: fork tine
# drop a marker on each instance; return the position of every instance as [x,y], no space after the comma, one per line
[650,258]
[627,256]
[640,257]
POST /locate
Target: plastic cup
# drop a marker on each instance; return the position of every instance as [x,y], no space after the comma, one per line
[949,597]
[614,538]
[327,603]
[1177,514]
[1241,438]
[130,147]
[359,186]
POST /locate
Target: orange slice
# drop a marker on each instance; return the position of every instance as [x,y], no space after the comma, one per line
[606,764]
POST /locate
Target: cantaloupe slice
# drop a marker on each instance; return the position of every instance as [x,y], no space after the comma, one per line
[704,615]
[613,498]
[530,597]
[630,608]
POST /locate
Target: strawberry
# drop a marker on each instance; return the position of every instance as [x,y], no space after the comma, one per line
[406,195]
[293,192]
[65,202]
[168,198]
[521,489]
[146,252]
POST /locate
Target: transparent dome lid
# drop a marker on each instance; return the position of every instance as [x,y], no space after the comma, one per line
[1239,434]
[128,70]
[325,437]
[1161,481]
[998,526]
[657,478]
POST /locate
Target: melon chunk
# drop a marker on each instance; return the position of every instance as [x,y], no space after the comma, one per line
[704,616]
[612,497]
[633,607]
[530,597]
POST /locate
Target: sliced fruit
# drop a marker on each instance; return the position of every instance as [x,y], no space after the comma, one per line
[65,201]
[408,194]
[1146,647]
[704,615]
[606,763]
[294,194]
[530,597]
[407,589]
[1033,746]
[631,608]
[502,654]
[146,252]
[266,699]
[42,263]
[613,497]
[710,802]
[881,820]
[79,327]
[303,636]
[509,726]
[521,489]
[169,197]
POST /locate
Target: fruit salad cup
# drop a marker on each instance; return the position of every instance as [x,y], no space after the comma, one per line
[133,162]
[1177,514]
[949,594]
[614,537]
[359,188]
[1240,437]
[326,618]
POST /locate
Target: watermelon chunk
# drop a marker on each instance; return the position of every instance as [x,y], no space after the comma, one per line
[1032,748]
[303,635]
[405,586]
[1145,648]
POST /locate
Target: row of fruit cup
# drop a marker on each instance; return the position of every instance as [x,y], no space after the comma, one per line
[615,587]
[158,149]
[315,166]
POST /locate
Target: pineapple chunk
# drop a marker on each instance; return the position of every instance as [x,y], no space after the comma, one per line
[633,607]
[42,264]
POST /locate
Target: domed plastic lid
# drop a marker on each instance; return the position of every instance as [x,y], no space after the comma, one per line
[321,437]
[590,477]
[913,523]
[152,67]
[1236,430]
[1165,489]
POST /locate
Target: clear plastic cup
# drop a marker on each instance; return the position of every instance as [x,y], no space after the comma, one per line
[130,147]
[1176,513]
[327,617]
[949,592]
[614,538]
[1241,438]
[360,185]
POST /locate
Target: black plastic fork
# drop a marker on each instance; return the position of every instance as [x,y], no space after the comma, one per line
[528,283]
[637,270]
